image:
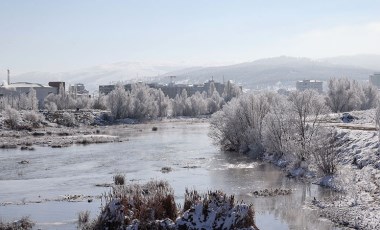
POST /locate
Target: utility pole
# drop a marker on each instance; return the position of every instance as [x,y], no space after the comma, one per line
[9,77]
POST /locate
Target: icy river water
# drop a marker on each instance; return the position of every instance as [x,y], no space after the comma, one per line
[34,189]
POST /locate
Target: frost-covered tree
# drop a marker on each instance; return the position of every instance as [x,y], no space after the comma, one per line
[83,102]
[100,102]
[278,128]
[231,90]
[32,99]
[308,110]
[211,89]
[162,103]
[179,104]
[119,102]
[239,125]
[343,95]
[143,102]
[368,97]
[63,100]
[215,102]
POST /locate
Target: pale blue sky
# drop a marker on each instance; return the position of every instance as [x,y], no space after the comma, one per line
[47,35]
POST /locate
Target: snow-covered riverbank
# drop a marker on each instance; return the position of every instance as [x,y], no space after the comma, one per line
[358,178]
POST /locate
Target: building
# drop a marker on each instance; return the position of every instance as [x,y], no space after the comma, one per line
[58,85]
[171,90]
[78,90]
[374,79]
[310,84]
[18,88]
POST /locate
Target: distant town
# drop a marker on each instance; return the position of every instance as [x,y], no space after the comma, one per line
[171,89]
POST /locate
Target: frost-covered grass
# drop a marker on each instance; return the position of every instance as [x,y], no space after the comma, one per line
[152,206]
[23,224]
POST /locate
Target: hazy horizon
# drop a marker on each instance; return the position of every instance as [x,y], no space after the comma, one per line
[51,36]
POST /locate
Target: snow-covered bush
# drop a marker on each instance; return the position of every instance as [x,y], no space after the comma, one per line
[51,106]
[214,210]
[134,204]
[152,206]
[12,117]
[23,224]
[67,119]
[33,117]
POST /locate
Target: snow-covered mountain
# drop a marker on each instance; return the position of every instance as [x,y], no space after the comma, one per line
[278,71]
[102,74]
[283,71]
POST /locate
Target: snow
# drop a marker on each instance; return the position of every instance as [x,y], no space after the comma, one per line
[358,178]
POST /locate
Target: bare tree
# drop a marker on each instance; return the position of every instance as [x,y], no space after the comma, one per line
[309,110]
[325,152]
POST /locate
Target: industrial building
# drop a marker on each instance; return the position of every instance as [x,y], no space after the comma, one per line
[310,84]
[8,89]
[18,88]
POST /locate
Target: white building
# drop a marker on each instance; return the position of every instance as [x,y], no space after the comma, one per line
[375,79]
[18,88]
[310,84]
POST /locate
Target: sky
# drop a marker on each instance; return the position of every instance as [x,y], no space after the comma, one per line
[62,35]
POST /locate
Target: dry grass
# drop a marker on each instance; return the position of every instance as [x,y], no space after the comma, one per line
[23,224]
[119,179]
[83,218]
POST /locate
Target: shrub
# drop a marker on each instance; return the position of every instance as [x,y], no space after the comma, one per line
[12,118]
[23,224]
[83,218]
[51,106]
[33,117]
[119,179]
[325,151]
[68,119]
[152,206]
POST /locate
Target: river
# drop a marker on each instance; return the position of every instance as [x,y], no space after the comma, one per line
[36,189]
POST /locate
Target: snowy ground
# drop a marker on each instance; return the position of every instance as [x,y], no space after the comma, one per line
[358,179]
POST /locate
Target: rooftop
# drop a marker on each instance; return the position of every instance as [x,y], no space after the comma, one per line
[25,85]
